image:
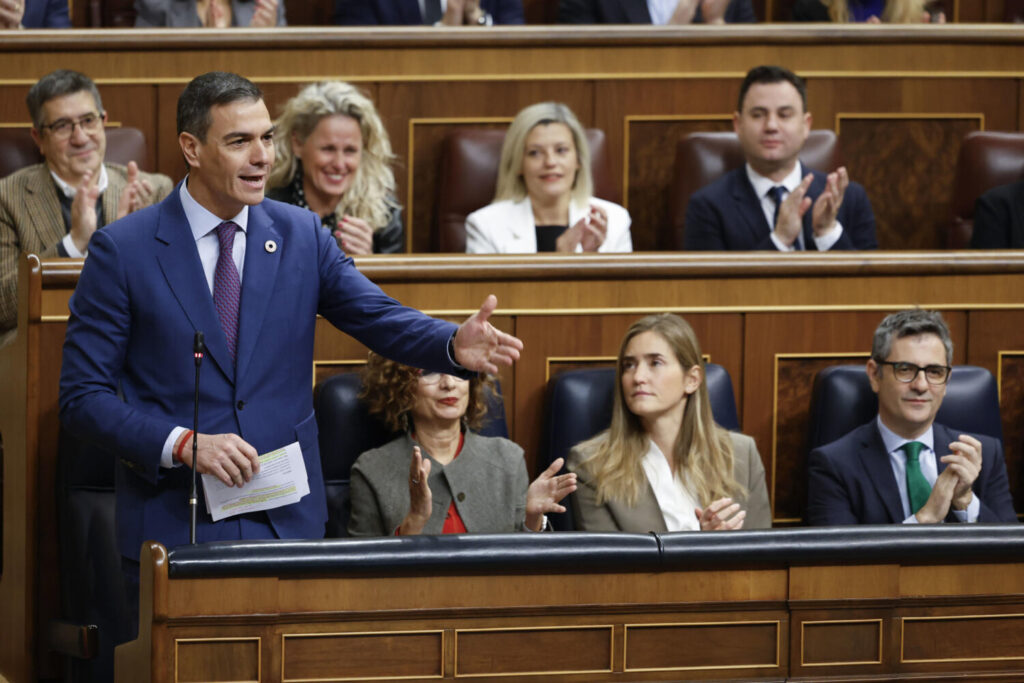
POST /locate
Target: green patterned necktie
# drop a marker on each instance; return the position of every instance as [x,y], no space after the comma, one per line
[918,488]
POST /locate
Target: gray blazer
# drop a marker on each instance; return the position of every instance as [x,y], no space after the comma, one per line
[488,482]
[646,515]
[182,13]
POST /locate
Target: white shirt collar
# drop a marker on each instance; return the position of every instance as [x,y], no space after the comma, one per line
[762,183]
[201,220]
[69,191]
[893,441]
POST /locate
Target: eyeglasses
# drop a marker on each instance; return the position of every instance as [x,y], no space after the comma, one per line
[435,377]
[62,129]
[907,372]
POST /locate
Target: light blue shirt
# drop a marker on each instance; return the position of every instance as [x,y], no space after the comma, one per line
[661,10]
[929,468]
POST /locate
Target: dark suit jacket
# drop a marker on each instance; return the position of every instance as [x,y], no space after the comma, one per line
[407,12]
[850,480]
[635,12]
[142,295]
[183,14]
[487,482]
[726,216]
[46,14]
[999,218]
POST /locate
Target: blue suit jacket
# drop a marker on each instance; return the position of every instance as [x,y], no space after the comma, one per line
[726,216]
[407,12]
[850,480]
[46,14]
[636,12]
[142,295]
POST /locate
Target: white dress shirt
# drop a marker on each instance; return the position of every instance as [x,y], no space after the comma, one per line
[204,231]
[677,503]
[929,468]
[661,10]
[762,185]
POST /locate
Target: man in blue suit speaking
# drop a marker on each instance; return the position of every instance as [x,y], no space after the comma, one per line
[252,275]
[773,202]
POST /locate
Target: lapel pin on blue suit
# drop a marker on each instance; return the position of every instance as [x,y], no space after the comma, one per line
[270,246]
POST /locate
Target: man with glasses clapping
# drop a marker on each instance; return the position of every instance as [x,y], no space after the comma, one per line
[53,208]
[903,467]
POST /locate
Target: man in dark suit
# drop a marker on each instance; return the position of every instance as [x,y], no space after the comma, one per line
[428,12]
[16,14]
[903,467]
[656,12]
[999,218]
[127,378]
[773,202]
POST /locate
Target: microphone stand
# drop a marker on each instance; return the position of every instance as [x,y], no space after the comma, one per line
[193,499]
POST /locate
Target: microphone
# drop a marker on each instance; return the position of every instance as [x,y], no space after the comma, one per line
[198,348]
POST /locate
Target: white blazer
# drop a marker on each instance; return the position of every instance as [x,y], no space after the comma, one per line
[507,227]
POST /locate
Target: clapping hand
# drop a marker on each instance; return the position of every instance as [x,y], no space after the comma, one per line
[546,491]
[721,515]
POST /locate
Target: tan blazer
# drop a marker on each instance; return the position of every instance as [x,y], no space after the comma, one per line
[31,222]
[646,515]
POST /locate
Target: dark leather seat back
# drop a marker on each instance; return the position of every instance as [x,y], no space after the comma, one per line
[469,176]
[843,400]
[702,158]
[347,430]
[987,160]
[92,590]
[580,406]
[18,150]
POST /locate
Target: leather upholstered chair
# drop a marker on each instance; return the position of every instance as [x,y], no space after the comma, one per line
[469,175]
[18,150]
[347,429]
[987,160]
[702,158]
[843,400]
[580,406]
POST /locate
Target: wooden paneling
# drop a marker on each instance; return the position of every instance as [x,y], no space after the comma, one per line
[352,656]
[513,651]
[968,638]
[856,642]
[717,646]
[217,659]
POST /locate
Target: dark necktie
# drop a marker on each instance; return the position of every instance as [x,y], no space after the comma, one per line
[431,12]
[227,288]
[776,194]
[918,488]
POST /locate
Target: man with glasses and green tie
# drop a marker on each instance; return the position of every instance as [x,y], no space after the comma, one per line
[903,467]
[53,208]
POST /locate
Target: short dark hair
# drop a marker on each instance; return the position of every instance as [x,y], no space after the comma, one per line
[58,84]
[212,89]
[910,323]
[771,74]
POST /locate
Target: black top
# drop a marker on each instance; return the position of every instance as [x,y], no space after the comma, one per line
[547,236]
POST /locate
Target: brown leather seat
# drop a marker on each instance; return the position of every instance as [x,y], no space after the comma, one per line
[18,150]
[702,158]
[469,175]
[986,160]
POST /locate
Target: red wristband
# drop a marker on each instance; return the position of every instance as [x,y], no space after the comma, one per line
[181,447]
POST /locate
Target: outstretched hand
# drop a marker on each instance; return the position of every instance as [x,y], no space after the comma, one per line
[546,492]
[480,346]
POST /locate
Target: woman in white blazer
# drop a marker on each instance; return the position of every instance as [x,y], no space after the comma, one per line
[544,199]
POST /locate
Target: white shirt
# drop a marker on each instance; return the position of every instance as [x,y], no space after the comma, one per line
[661,10]
[70,191]
[204,231]
[929,468]
[763,184]
[488,19]
[677,503]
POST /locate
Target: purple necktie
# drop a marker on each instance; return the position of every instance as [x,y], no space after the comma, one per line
[227,288]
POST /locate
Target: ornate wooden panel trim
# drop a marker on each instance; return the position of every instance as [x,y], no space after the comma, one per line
[319,365]
[597,361]
[334,657]
[969,635]
[808,634]
[694,631]
[201,653]
[506,651]
[780,357]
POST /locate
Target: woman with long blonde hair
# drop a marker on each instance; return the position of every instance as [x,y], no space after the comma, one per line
[663,464]
[333,156]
